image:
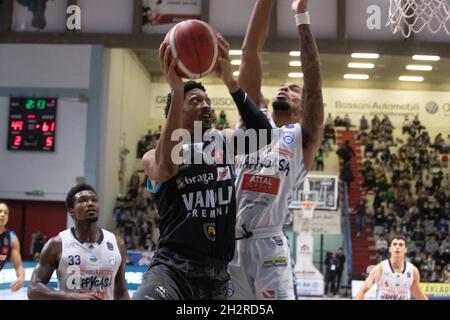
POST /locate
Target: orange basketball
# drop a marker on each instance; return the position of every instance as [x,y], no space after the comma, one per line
[195,43]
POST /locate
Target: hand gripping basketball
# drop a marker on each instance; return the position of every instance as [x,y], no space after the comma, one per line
[194,43]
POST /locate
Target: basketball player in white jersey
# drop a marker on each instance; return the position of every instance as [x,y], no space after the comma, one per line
[268,180]
[89,261]
[395,277]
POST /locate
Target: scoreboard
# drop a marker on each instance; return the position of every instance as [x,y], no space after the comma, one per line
[32,124]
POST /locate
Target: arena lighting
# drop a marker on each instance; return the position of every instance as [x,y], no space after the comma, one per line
[294,53]
[236,62]
[295,63]
[353,76]
[235,73]
[417,67]
[235,52]
[410,78]
[359,55]
[425,57]
[295,75]
[361,65]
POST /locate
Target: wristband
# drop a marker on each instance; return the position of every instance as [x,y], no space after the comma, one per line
[302,18]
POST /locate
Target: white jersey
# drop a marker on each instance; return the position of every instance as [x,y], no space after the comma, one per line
[395,285]
[266,180]
[89,267]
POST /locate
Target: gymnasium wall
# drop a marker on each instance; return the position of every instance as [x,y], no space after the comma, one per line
[126,110]
[42,70]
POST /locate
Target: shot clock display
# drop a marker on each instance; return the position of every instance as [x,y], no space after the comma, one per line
[32,124]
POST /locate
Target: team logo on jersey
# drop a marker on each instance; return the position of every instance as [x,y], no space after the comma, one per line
[263,184]
[408,274]
[269,294]
[386,284]
[288,137]
[223,173]
[110,246]
[112,260]
[93,260]
[278,240]
[204,178]
[210,231]
[290,126]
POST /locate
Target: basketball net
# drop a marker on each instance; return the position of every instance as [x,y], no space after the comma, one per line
[307,208]
[410,16]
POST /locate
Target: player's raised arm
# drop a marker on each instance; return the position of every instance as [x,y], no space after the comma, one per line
[313,114]
[158,163]
[250,70]
[373,278]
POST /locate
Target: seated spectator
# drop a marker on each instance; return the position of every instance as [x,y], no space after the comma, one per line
[363,123]
[382,246]
[406,126]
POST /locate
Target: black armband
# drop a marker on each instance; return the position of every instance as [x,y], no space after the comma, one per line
[251,115]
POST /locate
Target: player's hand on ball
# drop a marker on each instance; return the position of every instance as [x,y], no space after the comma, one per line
[168,67]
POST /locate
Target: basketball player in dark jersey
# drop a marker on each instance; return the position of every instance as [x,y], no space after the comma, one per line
[196,202]
[10,249]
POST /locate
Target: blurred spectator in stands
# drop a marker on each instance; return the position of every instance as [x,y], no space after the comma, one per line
[363,123]
[347,122]
[338,122]
[346,174]
[418,236]
[129,233]
[361,211]
[331,264]
[378,221]
[411,247]
[222,122]
[375,121]
[382,247]
[417,260]
[345,151]
[406,126]
[330,134]
[340,257]
[416,124]
[439,143]
[431,246]
[319,160]
[134,185]
[141,148]
[329,120]
[38,244]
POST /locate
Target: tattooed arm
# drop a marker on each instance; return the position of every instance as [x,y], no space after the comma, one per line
[250,70]
[373,278]
[312,100]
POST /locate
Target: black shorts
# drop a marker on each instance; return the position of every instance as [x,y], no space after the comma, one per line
[188,281]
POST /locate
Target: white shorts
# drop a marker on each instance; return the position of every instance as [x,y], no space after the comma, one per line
[262,270]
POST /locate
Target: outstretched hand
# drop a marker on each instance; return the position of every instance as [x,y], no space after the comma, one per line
[168,65]
[300,6]
[223,65]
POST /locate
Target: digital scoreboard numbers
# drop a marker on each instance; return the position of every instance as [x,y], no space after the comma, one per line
[32,124]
